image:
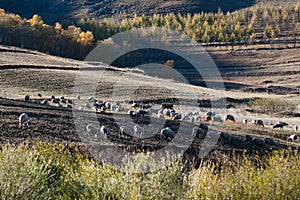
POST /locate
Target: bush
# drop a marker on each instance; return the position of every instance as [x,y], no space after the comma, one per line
[264,105]
[52,172]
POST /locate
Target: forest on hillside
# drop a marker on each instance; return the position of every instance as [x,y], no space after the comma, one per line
[264,24]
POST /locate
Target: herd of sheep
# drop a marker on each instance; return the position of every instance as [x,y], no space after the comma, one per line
[138,109]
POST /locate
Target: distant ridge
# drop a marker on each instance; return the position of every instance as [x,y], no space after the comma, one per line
[66,11]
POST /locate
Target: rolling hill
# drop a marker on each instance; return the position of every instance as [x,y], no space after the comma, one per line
[67,11]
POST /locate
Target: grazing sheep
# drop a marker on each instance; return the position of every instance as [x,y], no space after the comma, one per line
[91,129]
[132,113]
[210,113]
[86,105]
[295,128]
[135,105]
[27,98]
[138,130]
[146,106]
[107,104]
[167,133]
[125,131]
[280,125]
[55,101]
[63,101]
[284,123]
[259,122]
[23,119]
[102,109]
[292,138]
[185,117]
[69,101]
[142,113]
[208,117]
[115,107]
[198,133]
[173,114]
[45,102]
[91,99]
[104,132]
[270,141]
[230,118]
[95,109]
[167,112]
[69,106]
[217,118]
[39,95]
[245,121]
[58,105]
[177,117]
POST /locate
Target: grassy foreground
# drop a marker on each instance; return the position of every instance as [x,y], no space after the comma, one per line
[52,172]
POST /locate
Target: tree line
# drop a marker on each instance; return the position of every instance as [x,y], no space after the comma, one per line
[260,23]
[263,23]
[34,34]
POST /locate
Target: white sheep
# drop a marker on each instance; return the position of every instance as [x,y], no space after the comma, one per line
[58,105]
[292,138]
[280,125]
[104,132]
[245,121]
[259,122]
[167,133]
[217,118]
[142,112]
[167,112]
[295,128]
[45,102]
[138,131]
[125,131]
[23,119]
[91,129]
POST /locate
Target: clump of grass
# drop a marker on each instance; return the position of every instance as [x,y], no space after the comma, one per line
[277,179]
[264,105]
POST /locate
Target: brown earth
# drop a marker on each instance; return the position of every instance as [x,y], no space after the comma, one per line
[32,72]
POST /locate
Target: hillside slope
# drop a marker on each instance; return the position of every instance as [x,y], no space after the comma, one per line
[69,10]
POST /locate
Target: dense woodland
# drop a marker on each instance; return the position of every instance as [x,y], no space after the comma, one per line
[259,24]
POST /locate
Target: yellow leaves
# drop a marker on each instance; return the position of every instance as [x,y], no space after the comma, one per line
[297,7]
[36,20]
[86,37]
[58,26]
